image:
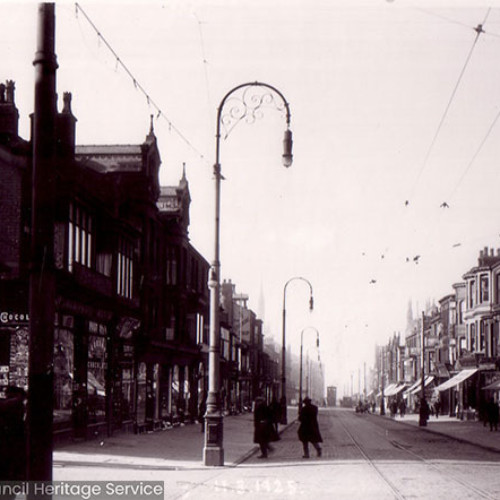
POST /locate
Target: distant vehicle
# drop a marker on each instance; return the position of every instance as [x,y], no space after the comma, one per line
[346,402]
[331,395]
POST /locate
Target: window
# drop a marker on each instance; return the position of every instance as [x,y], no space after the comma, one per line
[80,237]
[200,327]
[484,288]
[472,336]
[472,293]
[125,268]
[96,371]
[171,267]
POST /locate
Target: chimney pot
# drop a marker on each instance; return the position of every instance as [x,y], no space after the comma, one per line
[10,91]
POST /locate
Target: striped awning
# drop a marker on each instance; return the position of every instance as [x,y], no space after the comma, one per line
[457,379]
[427,381]
[395,390]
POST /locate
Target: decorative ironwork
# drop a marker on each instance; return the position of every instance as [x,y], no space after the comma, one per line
[249,106]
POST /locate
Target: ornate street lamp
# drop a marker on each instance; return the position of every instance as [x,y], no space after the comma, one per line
[301,346]
[283,402]
[248,105]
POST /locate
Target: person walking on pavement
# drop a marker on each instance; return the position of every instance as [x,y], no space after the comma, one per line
[309,429]
[263,426]
[437,407]
[402,408]
[492,411]
[275,409]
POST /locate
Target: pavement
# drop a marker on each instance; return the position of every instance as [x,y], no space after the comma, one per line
[466,431]
[176,448]
[181,447]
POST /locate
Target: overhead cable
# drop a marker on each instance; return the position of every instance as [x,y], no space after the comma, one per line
[137,85]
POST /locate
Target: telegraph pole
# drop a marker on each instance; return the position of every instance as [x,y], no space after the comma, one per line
[42,281]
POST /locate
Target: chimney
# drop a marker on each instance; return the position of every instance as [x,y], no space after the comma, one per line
[66,129]
[9,115]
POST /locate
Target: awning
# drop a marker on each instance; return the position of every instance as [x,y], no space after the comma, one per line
[494,386]
[456,379]
[427,381]
[389,389]
[416,384]
[395,390]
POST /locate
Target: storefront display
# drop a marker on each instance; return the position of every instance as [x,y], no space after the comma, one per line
[96,372]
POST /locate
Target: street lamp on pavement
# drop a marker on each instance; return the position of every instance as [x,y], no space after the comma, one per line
[255,96]
[301,347]
[283,402]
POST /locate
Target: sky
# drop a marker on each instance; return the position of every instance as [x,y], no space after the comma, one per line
[394,104]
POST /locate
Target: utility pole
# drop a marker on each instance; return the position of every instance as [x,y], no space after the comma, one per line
[364,377]
[382,365]
[42,279]
[422,421]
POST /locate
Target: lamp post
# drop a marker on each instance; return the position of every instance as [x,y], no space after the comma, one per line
[422,417]
[301,347]
[255,96]
[382,365]
[283,403]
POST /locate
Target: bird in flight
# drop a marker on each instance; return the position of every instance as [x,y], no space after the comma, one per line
[444,205]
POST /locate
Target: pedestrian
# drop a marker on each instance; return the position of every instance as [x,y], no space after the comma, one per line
[402,408]
[309,428]
[394,408]
[202,410]
[437,407]
[492,410]
[275,410]
[12,435]
[263,426]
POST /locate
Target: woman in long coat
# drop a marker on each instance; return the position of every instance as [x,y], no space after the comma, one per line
[309,429]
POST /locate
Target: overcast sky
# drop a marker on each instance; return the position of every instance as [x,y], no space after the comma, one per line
[394,108]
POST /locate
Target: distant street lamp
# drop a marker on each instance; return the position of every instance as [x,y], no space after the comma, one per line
[283,402]
[301,347]
[382,366]
[248,106]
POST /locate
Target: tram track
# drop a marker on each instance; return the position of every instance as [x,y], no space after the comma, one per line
[397,492]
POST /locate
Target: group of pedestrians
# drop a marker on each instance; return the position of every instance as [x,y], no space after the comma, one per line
[267,417]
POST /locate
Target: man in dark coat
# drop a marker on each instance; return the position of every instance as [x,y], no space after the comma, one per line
[263,426]
[309,429]
[492,410]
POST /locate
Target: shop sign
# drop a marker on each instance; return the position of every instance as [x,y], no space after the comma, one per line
[12,318]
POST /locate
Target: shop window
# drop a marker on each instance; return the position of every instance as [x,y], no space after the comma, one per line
[96,372]
[141,393]
[127,403]
[63,374]
[176,390]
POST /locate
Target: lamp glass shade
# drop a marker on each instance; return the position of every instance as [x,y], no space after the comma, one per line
[287,148]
